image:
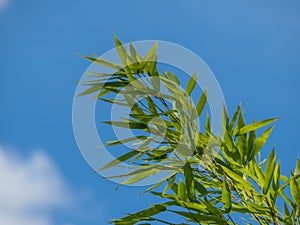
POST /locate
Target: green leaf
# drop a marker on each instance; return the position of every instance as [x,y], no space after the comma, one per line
[225,120]
[169,184]
[181,192]
[276,177]
[297,169]
[119,160]
[191,84]
[151,105]
[256,125]
[140,176]
[157,184]
[250,143]
[102,62]
[201,103]
[117,142]
[287,215]
[151,55]
[259,173]
[122,52]
[226,197]
[200,188]
[234,118]
[128,125]
[141,215]
[90,90]
[189,181]
[269,171]
[260,142]
[173,78]
[236,177]
[229,143]
[134,53]
[197,218]
[295,189]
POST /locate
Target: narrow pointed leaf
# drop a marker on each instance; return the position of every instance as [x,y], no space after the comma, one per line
[181,192]
[173,78]
[269,171]
[119,160]
[226,197]
[201,103]
[102,62]
[295,189]
[260,142]
[128,125]
[90,90]
[191,84]
[151,55]
[256,125]
[189,181]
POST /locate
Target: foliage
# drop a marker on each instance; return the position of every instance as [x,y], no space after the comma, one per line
[234,182]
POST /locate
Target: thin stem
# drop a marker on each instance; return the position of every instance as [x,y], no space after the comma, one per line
[162,221]
[230,218]
[272,211]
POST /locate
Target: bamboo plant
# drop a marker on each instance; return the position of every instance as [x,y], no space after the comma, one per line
[235,185]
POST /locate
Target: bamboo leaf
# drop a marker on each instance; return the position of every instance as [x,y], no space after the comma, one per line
[151,55]
[134,53]
[200,188]
[226,197]
[181,192]
[151,105]
[121,50]
[201,103]
[173,78]
[269,171]
[234,118]
[287,215]
[191,84]
[297,169]
[256,125]
[236,177]
[128,125]
[259,173]
[117,142]
[90,90]
[189,181]
[119,160]
[260,142]
[169,184]
[102,62]
[276,177]
[140,176]
[295,189]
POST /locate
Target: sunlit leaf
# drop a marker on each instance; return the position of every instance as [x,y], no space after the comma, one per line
[119,160]
[260,142]
[295,189]
[192,83]
[226,197]
[201,103]
[269,171]
[256,125]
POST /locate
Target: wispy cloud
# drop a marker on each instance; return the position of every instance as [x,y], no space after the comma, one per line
[3,4]
[29,189]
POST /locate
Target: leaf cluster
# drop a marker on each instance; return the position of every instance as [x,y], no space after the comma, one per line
[233,183]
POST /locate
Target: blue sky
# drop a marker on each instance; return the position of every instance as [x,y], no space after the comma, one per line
[252,47]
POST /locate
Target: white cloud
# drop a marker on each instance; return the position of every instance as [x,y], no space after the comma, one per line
[29,189]
[3,4]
